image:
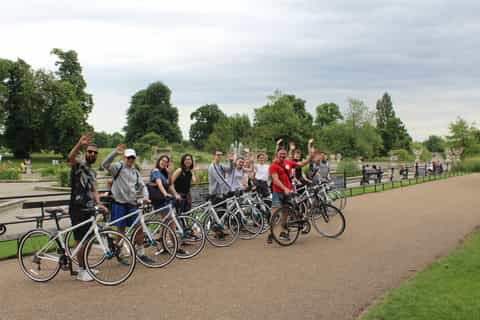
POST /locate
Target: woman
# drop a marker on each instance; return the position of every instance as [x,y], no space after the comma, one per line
[300,178]
[159,178]
[261,175]
[182,180]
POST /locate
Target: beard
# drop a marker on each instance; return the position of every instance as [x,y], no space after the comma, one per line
[90,160]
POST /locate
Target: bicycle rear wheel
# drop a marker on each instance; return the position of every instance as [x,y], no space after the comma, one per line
[284,229]
[119,261]
[251,222]
[38,255]
[158,252]
[328,221]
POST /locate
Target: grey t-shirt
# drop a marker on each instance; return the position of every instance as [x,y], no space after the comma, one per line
[235,179]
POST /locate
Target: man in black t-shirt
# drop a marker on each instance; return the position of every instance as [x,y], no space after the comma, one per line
[84,194]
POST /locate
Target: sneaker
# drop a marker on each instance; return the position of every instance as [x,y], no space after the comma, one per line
[270,239]
[181,251]
[284,236]
[146,259]
[83,275]
[123,261]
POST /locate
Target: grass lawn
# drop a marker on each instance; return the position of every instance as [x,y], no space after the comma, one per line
[8,249]
[449,289]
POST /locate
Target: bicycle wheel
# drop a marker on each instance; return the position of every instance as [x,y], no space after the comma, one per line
[119,261]
[158,252]
[285,233]
[192,241]
[328,221]
[265,210]
[222,235]
[38,255]
[251,222]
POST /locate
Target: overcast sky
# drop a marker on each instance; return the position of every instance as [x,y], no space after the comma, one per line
[426,54]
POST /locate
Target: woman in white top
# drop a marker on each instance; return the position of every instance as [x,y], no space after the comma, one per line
[261,175]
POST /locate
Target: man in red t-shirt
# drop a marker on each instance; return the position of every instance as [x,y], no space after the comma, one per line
[280,170]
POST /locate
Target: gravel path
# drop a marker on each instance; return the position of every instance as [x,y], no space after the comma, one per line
[389,236]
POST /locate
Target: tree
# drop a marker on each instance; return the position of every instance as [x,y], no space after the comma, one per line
[151,111]
[5,66]
[143,146]
[463,137]
[23,116]
[236,128]
[70,70]
[205,117]
[435,144]
[327,113]
[391,128]
[281,118]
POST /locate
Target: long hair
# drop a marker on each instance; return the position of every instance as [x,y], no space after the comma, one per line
[182,162]
[157,165]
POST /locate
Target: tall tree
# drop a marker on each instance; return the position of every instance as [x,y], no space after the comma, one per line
[327,113]
[151,111]
[5,66]
[23,124]
[205,118]
[435,143]
[463,137]
[70,70]
[390,127]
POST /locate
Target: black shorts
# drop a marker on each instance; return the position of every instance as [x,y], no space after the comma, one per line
[78,215]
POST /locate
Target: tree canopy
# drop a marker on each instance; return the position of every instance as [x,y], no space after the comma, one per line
[205,118]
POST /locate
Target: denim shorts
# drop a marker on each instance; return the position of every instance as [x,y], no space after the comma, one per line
[278,199]
[120,210]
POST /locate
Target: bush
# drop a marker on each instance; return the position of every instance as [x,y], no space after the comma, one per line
[202,176]
[468,165]
[9,174]
[403,155]
[350,167]
[49,172]
[63,177]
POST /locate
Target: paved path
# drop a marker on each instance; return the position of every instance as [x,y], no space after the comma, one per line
[389,236]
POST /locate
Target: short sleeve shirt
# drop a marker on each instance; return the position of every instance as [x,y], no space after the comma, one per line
[156,174]
[283,170]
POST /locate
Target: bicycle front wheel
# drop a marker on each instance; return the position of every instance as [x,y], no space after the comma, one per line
[119,261]
[160,250]
[38,255]
[284,229]
[192,240]
[222,234]
[251,222]
[328,221]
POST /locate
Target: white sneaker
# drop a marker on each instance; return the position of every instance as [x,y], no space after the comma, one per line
[84,276]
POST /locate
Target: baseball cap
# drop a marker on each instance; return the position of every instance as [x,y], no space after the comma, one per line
[130,153]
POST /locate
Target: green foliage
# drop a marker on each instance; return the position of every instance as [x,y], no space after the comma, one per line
[106,140]
[350,167]
[468,165]
[464,136]
[151,111]
[9,173]
[144,145]
[202,176]
[228,130]
[49,171]
[283,117]
[64,177]
[435,144]
[327,113]
[402,155]
[205,118]
[391,128]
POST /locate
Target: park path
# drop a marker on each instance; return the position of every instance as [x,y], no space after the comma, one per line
[389,236]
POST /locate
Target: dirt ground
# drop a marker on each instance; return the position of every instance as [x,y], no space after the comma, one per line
[389,236]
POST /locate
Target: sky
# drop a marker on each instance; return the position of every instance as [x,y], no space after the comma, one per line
[425,54]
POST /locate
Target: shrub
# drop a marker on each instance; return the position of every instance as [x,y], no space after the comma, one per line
[468,165]
[9,174]
[63,176]
[403,155]
[350,167]
[49,172]
[202,176]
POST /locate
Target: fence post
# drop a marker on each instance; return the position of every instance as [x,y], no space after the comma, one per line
[345,178]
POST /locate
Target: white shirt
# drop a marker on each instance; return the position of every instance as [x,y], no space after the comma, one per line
[261,172]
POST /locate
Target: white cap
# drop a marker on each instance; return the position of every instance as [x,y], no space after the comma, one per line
[130,153]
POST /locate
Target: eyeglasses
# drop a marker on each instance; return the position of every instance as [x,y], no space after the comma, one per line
[219,154]
[92,152]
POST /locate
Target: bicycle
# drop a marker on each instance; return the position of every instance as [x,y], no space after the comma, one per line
[159,244]
[245,209]
[221,227]
[41,254]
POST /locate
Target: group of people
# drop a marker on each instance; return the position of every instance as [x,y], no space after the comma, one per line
[167,186]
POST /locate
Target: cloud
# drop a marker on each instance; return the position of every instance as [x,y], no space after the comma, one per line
[235,53]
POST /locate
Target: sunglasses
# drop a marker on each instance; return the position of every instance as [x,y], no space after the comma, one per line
[92,152]
[131,158]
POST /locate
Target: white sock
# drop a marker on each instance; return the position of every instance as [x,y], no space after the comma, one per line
[141,251]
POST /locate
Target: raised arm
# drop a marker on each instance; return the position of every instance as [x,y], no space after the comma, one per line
[107,162]
[83,141]
[228,168]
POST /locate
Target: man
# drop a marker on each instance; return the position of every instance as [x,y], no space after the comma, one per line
[84,195]
[237,178]
[217,182]
[319,168]
[280,171]
[127,182]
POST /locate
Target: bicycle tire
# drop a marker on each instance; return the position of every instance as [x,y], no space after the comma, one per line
[191,227]
[252,225]
[324,217]
[230,228]
[25,250]
[291,227]
[107,237]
